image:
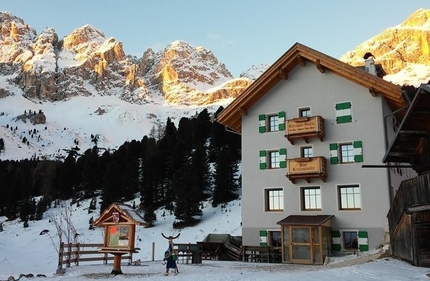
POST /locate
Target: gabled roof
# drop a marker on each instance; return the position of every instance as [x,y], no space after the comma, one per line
[413,132]
[298,55]
[127,215]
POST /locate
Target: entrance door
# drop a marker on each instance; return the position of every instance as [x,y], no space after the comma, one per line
[301,250]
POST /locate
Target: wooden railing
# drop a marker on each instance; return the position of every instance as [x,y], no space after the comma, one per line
[234,252]
[76,253]
[261,254]
[411,195]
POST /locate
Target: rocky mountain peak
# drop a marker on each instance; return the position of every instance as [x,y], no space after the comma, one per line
[15,37]
[402,50]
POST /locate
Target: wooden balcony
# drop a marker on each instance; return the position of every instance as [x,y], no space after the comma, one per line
[304,128]
[307,168]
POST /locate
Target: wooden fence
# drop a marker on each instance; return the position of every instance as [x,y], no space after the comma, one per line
[76,253]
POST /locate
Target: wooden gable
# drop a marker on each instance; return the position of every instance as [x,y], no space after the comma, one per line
[301,55]
[119,213]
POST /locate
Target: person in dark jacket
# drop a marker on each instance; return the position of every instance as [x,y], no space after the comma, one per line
[170,259]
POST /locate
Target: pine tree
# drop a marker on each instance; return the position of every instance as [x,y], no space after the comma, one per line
[225,179]
[187,195]
[199,160]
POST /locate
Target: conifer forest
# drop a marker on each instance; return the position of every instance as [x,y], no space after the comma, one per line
[176,167]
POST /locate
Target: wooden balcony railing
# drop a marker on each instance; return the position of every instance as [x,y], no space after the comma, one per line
[307,168]
[304,128]
[413,195]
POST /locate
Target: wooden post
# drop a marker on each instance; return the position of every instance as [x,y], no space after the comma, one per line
[116,264]
[77,253]
[60,256]
[153,250]
[69,255]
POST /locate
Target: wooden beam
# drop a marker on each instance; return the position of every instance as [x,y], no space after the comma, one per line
[301,60]
[373,92]
[283,73]
[319,66]
[242,111]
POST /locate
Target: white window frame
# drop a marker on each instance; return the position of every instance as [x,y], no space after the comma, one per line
[307,200]
[349,200]
[274,199]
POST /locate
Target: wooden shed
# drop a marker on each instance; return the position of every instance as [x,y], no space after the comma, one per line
[409,215]
[306,239]
[119,221]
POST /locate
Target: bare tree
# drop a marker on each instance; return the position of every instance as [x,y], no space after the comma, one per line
[66,231]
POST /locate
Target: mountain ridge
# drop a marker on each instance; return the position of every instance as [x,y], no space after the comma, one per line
[86,85]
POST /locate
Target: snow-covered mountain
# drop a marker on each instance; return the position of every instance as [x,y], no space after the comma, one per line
[87,90]
[402,50]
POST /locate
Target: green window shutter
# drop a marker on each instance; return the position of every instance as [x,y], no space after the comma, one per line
[334,159]
[343,112]
[358,151]
[281,120]
[343,105]
[263,165]
[263,238]
[282,158]
[363,241]
[262,123]
[335,239]
[344,119]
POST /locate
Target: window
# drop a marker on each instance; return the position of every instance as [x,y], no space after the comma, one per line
[274,199]
[311,198]
[305,112]
[350,240]
[273,159]
[349,197]
[306,151]
[346,153]
[351,152]
[343,112]
[270,238]
[275,239]
[271,122]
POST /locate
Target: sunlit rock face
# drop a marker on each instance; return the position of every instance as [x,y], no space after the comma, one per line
[402,50]
[189,76]
[87,63]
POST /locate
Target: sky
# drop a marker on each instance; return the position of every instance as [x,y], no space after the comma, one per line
[240,33]
[24,250]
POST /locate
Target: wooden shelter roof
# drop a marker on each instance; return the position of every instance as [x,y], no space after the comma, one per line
[127,215]
[300,55]
[413,132]
[305,220]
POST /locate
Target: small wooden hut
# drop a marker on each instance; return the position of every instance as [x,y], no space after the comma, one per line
[306,239]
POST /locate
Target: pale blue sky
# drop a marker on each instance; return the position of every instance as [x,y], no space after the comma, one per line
[239,33]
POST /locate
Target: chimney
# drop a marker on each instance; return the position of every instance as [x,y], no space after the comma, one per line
[369,63]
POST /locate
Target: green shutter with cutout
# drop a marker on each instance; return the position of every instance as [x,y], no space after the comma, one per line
[281,120]
[358,151]
[334,158]
[343,112]
[263,238]
[263,165]
[363,241]
[335,240]
[282,158]
[262,123]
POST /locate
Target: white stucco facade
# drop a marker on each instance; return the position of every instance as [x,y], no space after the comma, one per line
[307,87]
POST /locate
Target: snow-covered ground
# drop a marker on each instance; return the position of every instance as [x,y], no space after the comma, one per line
[26,251]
